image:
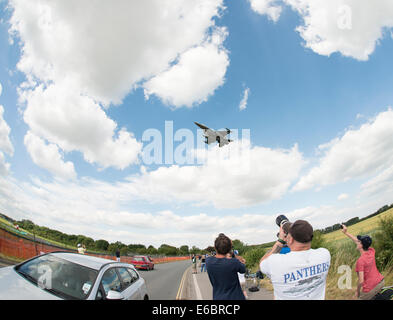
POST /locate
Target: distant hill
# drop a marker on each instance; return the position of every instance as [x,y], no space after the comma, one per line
[369,225]
[355,220]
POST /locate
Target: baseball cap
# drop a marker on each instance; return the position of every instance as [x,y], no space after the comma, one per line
[301,231]
[365,240]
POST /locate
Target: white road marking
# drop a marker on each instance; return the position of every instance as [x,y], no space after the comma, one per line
[197,290]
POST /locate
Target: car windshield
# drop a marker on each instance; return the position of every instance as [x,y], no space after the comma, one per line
[139,259]
[63,278]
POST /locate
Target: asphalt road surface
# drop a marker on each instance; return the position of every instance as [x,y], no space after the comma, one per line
[164,281]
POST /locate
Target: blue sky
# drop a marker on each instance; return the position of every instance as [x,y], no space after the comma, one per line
[79,92]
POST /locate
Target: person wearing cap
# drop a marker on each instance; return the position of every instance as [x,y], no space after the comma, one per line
[370,280]
[81,249]
[301,273]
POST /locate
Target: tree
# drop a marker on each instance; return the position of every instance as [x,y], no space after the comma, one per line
[168,250]
[210,249]
[101,245]
[117,245]
[195,250]
[141,250]
[151,250]
[184,250]
[239,246]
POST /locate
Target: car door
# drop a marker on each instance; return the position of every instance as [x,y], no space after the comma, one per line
[110,281]
[140,282]
[130,285]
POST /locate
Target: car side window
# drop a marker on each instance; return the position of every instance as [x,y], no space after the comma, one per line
[111,281]
[126,277]
[134,275]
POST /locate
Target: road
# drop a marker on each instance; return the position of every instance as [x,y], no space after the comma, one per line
[163,282]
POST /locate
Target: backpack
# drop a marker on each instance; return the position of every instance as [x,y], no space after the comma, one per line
[385,294]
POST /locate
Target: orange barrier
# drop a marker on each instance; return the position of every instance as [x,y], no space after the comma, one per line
[19,248]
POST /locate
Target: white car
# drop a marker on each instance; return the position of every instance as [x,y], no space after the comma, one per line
[65,275]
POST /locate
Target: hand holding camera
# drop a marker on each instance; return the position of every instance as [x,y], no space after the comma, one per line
[284,224]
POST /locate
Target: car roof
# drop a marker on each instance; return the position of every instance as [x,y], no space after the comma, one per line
[84,260]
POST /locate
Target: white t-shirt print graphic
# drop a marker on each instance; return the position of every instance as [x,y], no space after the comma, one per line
[298,275]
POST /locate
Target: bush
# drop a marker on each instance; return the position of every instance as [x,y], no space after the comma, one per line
[253,256]
[383,244]
[318,241]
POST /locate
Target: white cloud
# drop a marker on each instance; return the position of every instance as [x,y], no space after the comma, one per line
[243,102]
[5,144]
[76,122]
[240,175]
[351,27]
[198,73]
[107,48]
[267,7]
[1,89]
[358,153]
[48,157]
[380,184]
[343,196]
[82,56]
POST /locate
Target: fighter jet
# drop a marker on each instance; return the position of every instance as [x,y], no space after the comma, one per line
[212,136]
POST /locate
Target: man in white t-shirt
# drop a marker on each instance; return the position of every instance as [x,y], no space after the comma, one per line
[300,274]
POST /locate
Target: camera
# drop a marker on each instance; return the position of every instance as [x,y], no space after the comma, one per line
[283,221]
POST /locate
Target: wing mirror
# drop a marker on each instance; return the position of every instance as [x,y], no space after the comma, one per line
[114,295]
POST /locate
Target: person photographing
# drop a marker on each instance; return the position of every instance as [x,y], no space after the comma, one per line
[370,280]
[223,271]
[301,273]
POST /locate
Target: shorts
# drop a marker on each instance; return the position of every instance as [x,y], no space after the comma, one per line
[373,292]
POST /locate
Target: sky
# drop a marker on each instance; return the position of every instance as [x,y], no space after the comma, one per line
[98,102]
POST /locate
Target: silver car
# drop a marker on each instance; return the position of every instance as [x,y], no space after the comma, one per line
[65,275]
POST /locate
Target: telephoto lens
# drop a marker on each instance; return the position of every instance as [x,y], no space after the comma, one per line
[281,219]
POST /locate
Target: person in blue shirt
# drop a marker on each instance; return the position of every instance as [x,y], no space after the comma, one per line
[223,272]
[285,249]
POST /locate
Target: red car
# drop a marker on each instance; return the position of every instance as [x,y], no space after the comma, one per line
[142,262]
